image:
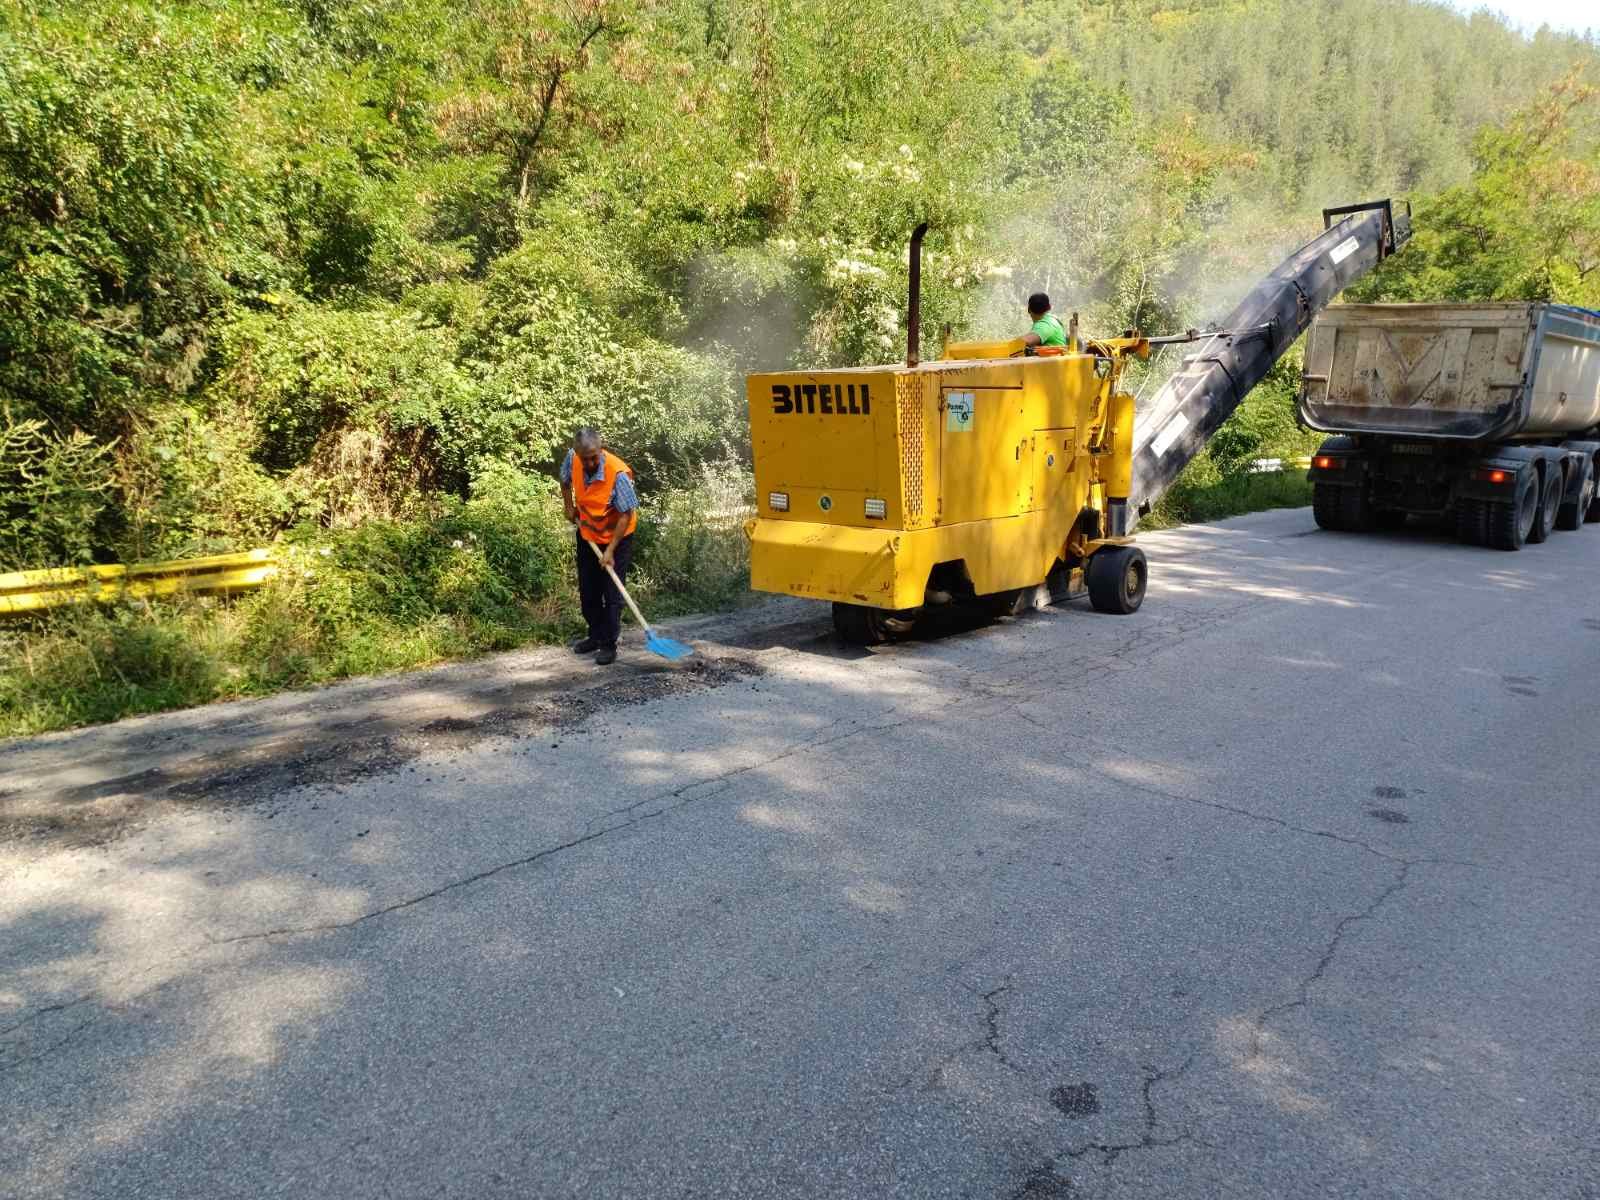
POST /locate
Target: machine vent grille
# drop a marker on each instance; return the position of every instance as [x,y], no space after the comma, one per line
[908,399]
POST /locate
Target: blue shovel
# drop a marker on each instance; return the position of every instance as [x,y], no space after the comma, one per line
[654,642]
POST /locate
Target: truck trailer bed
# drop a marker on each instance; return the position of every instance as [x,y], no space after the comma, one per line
[1472,372]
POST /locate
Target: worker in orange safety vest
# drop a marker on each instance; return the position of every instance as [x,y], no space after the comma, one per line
[597,489]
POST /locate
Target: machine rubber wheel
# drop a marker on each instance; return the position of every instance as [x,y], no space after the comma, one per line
[1549,505]
[1511,523]
[1472,522]
[1572,514]
[862,626]
[1117,577]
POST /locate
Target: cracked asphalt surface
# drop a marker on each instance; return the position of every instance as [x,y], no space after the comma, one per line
[1284,886]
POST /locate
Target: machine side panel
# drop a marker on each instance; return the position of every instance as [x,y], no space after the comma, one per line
[985,454]
[829,441]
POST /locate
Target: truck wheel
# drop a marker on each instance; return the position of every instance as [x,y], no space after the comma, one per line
[1326,506]
[1117,577]
[1357,509]
[862,626]
[1472,522]
[1549,505]
[1572,514]
[1511,522]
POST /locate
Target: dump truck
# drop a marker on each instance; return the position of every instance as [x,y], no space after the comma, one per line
[999,476]
[1484,415]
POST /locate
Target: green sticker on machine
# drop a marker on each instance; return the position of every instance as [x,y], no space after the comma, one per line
[958,412]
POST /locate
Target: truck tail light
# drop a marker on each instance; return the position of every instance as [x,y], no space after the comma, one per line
[778,501]
[877,509]
[1493,476]
[1326,462]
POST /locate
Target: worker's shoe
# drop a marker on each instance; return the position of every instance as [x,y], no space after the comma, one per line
[586,646]
[606,655]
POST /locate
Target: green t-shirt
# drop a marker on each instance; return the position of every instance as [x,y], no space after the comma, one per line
[1049,330]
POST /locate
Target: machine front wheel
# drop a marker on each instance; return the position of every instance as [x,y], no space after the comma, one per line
[1117,577]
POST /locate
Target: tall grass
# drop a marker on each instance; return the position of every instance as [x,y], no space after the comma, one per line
[1190,502]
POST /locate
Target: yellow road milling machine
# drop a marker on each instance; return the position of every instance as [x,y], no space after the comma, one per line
[994,476]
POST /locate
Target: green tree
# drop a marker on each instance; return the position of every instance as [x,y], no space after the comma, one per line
[116,196]
[1526,226]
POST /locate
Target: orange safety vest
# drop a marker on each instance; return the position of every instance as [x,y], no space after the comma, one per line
[593,500]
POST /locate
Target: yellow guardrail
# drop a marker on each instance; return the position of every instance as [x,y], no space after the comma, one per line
[31,591]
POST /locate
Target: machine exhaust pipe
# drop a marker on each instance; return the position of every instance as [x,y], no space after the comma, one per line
[914,301]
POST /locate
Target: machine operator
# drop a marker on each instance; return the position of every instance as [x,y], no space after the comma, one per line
[1047,330]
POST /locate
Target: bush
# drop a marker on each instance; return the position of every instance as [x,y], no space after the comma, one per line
[1200,495]
[692,552]
[1264,425]
[114,182]
[189,484]
[53,490]
[359,413]
[567,342]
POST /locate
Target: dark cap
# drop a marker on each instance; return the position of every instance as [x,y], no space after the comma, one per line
[1038,303]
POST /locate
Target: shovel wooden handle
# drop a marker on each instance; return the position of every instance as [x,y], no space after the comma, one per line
[632,607]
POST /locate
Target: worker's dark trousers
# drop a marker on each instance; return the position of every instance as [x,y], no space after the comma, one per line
[602,603]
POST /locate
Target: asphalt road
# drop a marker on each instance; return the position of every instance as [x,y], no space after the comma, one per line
[1285,886]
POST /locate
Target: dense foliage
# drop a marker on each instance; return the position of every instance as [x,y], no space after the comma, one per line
[1357,97]
[347,273]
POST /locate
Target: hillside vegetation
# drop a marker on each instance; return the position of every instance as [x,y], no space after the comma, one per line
[345,275]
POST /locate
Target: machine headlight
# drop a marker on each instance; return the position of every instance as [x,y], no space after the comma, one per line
[778,501]
[877,509]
